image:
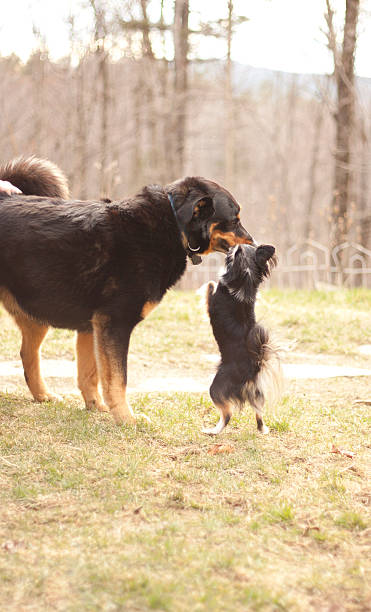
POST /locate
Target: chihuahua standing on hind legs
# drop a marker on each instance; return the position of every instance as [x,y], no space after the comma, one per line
[250,365]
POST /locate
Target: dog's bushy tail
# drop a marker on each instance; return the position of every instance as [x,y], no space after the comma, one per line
[268,354]
[34,176]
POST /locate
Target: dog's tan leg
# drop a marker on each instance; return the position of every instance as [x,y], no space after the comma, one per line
[87,374]
[111,348]
[33,333]
[225,416]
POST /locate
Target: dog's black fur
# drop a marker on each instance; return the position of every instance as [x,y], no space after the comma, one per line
[246,353]
[100,267]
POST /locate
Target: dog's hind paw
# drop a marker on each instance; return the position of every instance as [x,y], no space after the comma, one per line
[214,431]
[210,431]
[96,405]
[264,430]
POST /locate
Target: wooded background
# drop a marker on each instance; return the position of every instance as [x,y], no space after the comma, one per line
[117,113]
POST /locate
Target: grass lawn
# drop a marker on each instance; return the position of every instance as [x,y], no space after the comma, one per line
[152,517]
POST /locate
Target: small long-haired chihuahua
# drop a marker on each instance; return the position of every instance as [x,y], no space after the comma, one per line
[250,365]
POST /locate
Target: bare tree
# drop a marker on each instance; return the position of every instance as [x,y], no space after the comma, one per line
[38,64]
[313,170]
[148,79]
[344,116]
[181,34]
[100,36]
[229,106]
[77,74]
[364,187]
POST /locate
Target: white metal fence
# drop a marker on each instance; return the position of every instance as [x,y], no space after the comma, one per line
[306,264]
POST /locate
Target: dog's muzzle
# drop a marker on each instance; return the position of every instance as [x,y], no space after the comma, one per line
[245,237]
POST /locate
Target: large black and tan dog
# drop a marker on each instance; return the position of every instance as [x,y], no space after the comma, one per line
[100,268]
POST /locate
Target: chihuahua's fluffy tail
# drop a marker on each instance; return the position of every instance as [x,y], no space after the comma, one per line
[34,176]
[266,353]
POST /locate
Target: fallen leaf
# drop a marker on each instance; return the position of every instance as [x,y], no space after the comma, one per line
[186,450]
[310,528]
[220,448]
[365,498]
[340,451]
[12,545]
[352,468]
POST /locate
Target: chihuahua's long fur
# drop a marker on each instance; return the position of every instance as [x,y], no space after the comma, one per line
[249,364]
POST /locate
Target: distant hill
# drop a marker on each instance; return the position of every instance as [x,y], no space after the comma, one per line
[247,78]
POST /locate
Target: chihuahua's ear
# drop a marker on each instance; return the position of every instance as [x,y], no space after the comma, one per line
[264,252]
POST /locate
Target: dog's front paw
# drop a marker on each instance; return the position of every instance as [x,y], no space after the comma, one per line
[47,396]
[264,430]
[129,418]
[124,419]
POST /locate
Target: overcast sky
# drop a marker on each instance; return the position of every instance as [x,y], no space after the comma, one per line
[280,34]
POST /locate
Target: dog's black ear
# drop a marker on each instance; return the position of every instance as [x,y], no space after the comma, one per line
[263,253]
[195,207]
[190,203]
[204,209]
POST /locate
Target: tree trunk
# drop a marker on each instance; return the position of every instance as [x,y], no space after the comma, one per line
[104,110]
[364,188]
[149,70]
[312,191]
[181,34]
[229,142]
[344,74]
[285,164]
[102,56]
[81,131]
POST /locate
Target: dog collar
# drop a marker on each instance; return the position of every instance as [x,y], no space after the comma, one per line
[191,253]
